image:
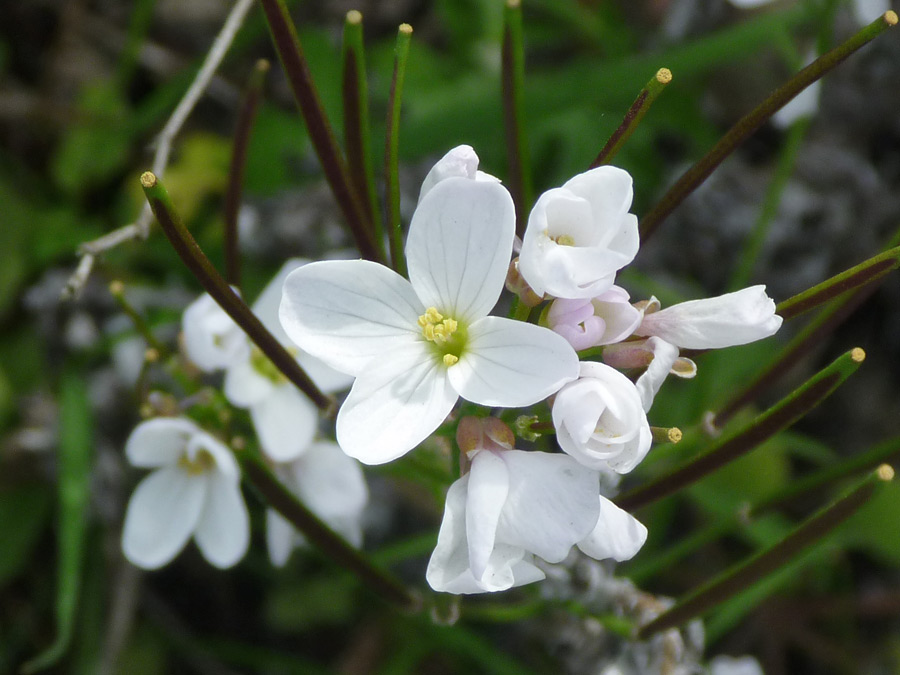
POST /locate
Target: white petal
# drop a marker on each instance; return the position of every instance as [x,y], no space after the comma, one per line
[394,405]
[285,422]
[226,464]
[724,321]
[460,162]
[488,488]
[734,665]
[552,503]
[280,538]
[511,363]
[617,535]
[223,532]
[650,381]
[159,441]
[245,386]
[326,378]
[212,340]
[609,191]
[161,515]
[345,312]
[266,304]
[330,483]
[459,247]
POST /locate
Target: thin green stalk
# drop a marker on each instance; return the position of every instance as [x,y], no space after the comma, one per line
[357,138]
[290,52]
[282,500]
[726,449]
[513,88]
[243,129]
[192,256]
[739,577]
[633,117]
[117,290]
[748,124]
[859,275]
[754,244]
[391,151]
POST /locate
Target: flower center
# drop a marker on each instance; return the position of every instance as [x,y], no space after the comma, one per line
[202,462]
[562,240]
[447,336]
[262,365]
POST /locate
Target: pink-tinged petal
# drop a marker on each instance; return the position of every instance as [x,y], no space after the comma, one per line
[620,317]
[488,488]
[162,513]
[724,321]
[245,386]
[650,381]
[511,363]
[617,535]
[159,441]
[280,538]
[459,246]
[552,503]
[394,405]
[223,532]
[212,340]
[285,422]
[345,312]
[267,302]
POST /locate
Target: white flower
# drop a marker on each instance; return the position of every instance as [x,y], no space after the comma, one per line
[578,236]
[331,485]
[416,346]
[460,162]
[513,505]
[600,421]
[591,322]
[734,665]
[284,418]
[712,323]
[194,490]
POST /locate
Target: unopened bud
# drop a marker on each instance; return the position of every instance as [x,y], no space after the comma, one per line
[516,284]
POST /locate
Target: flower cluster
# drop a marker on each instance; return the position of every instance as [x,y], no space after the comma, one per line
[413,347]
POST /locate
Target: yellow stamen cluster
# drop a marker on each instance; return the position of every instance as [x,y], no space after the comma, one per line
[562,240]
[202,463]
[436,328]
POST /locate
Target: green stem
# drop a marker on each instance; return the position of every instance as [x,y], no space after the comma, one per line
[290,52]
[729,448]
[748,124]
[192,256]
[754,244]
[391,151]
[633,117]
[282,500]
[521,311]
[859,275]
[513,88]
[243,129]
[357,138]
[117,290]
[742,575]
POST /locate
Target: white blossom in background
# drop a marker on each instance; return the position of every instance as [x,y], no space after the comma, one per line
[592,322]
[284,418]
[734,665]
[579,235]
[194,490]
[416,346]
[331,485]
[600,420]
[513,505]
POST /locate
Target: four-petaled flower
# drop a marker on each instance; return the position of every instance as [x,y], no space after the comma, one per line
[416,346]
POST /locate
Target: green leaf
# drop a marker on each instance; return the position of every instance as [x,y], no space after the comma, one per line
[28,506]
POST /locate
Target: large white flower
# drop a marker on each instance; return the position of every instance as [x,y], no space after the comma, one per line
[284,418]
[416,346]
[332,485]
[578,236]
[194,490]
[513,505]
[600,420]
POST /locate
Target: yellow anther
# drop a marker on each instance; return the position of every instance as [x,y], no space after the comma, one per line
[435,327]
[202,463]
[565,240]
[449,359]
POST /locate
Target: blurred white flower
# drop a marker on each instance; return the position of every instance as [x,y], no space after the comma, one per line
[734,665]
[416,346]
[600,421]
[591,322]
[578,236]
[331,485]
[194,490]
[212,340]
